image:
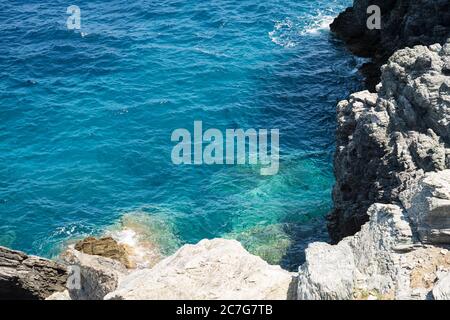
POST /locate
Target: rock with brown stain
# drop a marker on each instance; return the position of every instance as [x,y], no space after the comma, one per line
[426,264]
[105,247]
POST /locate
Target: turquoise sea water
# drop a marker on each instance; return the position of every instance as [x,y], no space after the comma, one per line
[86,118]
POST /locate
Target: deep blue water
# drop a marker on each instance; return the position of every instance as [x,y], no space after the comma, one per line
[86,119]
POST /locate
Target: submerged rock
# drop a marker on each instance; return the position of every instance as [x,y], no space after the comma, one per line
[24,277]
[211,269]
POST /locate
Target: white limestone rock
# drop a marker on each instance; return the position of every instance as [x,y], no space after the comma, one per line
[92,277]
[386,259]
[328,273]
[211,269]
[441,290]
[428,206]
[366,262]
[64,295]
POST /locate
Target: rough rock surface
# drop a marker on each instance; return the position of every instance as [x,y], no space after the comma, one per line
[24,277]
[389,139]
[105,247]
[65,295]
[92,277]
[328,273]
[366,262]
[382,261]
[392,194]
[211,269]
[442,289]
[428,204]
[404,23]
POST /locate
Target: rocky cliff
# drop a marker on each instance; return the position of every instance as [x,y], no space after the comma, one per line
[391,220]
[389,138]
[391,217]
[391,168]
[404,23]
[393,256]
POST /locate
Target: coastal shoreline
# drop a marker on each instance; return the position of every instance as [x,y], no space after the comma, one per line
[391,222]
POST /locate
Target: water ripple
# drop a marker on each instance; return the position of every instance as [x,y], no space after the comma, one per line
[86,119]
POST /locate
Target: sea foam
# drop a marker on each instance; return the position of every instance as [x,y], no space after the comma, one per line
[287,32]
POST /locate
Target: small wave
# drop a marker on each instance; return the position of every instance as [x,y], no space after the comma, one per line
[281,34]
[361,61]
[357,63]
[52,244]
[289,31]
[148,238]
[320,23]
[142,253]
[213,53]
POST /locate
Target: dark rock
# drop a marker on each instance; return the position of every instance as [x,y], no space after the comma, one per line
[404,23]
[24,277]
[387,140]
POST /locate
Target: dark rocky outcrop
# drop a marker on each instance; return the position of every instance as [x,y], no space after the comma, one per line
[378,150]
[404,23]
[24,277]
[392,178]
[387,139]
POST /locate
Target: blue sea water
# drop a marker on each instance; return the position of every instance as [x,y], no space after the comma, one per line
[86,119]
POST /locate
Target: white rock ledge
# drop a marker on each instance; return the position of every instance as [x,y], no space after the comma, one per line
[211,269]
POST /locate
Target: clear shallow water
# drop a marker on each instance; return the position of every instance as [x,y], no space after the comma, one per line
[86,119]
